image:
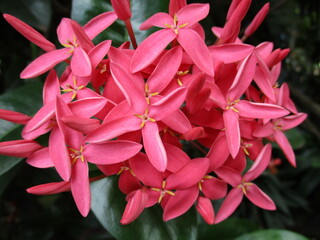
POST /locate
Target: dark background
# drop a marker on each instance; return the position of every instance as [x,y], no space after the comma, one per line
[293,24]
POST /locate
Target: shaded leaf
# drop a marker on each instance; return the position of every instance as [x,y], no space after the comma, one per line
[34,12]
[26,99]
[108,204]
[273,234]
[228,229]
[296,138]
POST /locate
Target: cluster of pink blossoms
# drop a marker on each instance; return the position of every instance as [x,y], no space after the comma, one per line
[129,111]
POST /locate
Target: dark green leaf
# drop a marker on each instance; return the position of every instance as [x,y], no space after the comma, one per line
[141,11]
[108,204]
[26,99]
[229,229]
[273,234]
[296,138]
[85,10]
[6,163]
[34,12]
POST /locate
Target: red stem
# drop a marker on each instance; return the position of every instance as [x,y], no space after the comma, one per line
[131,33]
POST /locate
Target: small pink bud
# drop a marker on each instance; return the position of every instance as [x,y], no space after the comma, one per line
[175,6]
[122,9]
[257,20]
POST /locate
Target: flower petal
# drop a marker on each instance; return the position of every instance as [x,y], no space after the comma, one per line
[115,128]
[193,13]
[80,186]
[19,148]
[260,110]
[97,54]
[59,153]
[219,152]
[176,5]
[80,63]
[168,104]
[148,51]
[50,188]
[45,62]
[135,206]
[243,78]
[177,121]
[229,175]
[259,198]
[260,164]
[166,70]
[214,188]
[159,20]
[128,183]
[51,87]
[189,175]
[28,32]
[263,79]
[205,208]
[153,146]
[122,9]
[87,107]
[231,124]
[230,204]
[41,117]
[131,87]
[196,49]
[40,159]
[285,146]
[264,130]
[177,158]
[83,125]
[181,202]
[145,172]
[293,120]
[257,20]
[111,152]
[99,23]
[14,117]
[231,52]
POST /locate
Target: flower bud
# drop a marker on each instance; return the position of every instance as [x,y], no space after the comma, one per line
[122,9]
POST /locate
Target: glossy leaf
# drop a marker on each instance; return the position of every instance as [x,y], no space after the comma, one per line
[228,229]
[108,204]
[274,234]
[26,99]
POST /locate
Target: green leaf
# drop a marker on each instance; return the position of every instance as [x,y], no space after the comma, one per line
[84,10]
[108,204]
[141,11]
[226,230]
[26,99]
[6,163]
[34,12]
[274,234]
[296,138]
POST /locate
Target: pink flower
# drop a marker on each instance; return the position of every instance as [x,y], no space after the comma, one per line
[234,107]
[177,28]
[242,185]
[75,39]
[275,128]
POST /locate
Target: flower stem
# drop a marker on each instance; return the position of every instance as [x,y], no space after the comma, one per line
[131,33]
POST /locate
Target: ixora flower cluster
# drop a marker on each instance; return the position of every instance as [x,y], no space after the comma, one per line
[131,111]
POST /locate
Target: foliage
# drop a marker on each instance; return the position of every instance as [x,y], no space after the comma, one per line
[293,190]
